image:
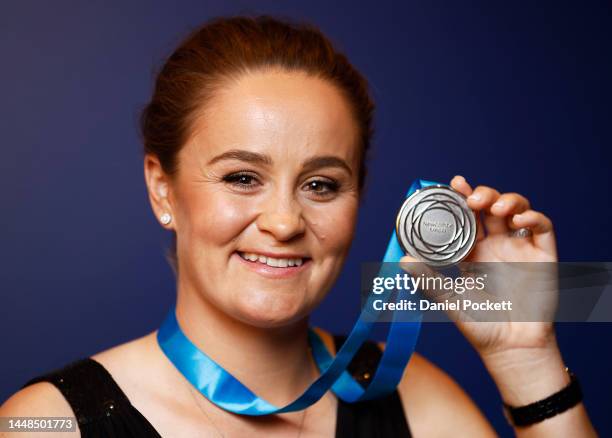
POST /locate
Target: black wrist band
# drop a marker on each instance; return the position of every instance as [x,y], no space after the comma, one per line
[552,405]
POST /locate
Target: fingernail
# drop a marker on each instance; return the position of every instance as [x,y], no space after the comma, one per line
[499,204]
[460,177]
[475,197]
[518,216]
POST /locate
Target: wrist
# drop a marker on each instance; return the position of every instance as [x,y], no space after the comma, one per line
[527,375]
[554,404]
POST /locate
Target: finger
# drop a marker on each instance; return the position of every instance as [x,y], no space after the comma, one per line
[460,184]
[541,226]
[482,199]
[510,204]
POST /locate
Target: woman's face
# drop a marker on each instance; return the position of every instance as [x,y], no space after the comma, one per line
[265,201]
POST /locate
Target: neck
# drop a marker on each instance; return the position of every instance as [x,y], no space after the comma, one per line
[274,363]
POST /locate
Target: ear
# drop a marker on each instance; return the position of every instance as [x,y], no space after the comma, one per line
[158,187]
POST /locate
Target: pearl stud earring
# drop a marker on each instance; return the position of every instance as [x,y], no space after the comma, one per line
[165,218]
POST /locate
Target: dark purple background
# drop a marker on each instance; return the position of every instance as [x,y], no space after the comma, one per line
[515,96]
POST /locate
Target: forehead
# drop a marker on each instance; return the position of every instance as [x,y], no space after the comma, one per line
[283,114]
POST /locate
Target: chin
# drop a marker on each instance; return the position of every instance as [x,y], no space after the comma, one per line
[265,311]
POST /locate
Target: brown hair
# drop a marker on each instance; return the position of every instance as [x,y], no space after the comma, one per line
[225,48]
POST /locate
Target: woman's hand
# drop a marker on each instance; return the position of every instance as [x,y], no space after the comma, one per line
[521,355]
[502,214]
[509,348]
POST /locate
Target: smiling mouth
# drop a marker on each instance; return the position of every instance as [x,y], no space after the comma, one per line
[272,261]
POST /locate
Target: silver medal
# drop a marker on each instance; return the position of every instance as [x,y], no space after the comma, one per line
[436,226]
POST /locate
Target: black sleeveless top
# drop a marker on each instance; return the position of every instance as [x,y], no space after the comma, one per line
[103,410]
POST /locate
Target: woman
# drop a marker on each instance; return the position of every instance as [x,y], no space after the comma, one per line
[255,144]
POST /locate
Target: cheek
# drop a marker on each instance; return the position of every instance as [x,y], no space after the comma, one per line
[216,219]
[333,226]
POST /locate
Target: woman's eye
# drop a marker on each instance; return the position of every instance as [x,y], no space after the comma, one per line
[241,180]
[322,187]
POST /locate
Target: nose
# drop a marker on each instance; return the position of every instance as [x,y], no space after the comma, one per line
[281,216]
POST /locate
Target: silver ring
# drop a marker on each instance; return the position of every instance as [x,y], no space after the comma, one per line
[521,232]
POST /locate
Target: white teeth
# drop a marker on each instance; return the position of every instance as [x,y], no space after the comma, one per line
[271,261]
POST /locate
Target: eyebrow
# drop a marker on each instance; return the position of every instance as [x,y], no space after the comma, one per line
[309,165]
[242,155]
[315,163]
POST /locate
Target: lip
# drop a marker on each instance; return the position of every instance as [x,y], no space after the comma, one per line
[285,255]
[270,271]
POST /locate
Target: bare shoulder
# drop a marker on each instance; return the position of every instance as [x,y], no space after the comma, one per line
[133,352]
[436,405]
[134,365]
[38,400]
[43,399]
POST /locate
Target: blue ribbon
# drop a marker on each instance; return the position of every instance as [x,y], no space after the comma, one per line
[228,393]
